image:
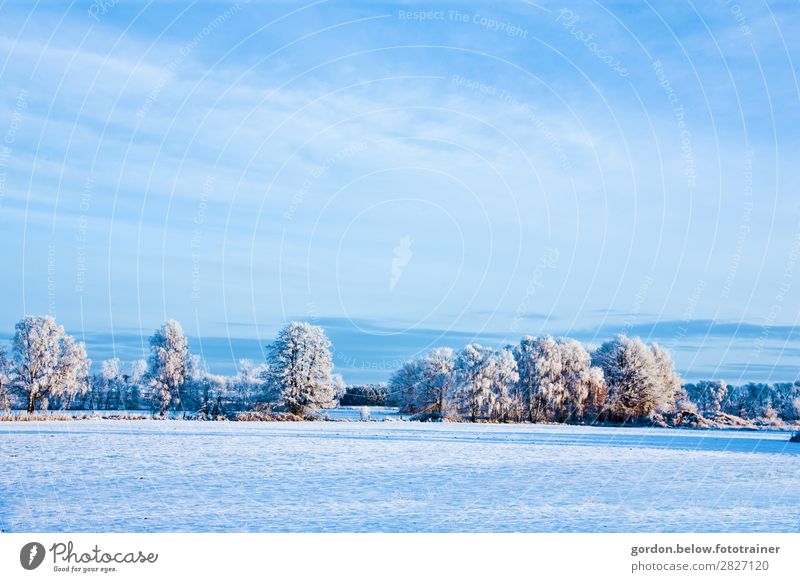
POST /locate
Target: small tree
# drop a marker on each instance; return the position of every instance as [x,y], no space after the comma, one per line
[550,390]
[46,362]
[736,401]
[640,379]
[168,365]
[436,381]
[669,388]
[557,380]
[339,387]
[301,367]
[365,395]
[112,377]
[403,385]
[502,377]
[474,375]
[598,393]
[581,380]
[525,354]
[133,383]
[708,395]
[5,397]
[243,383]
[209,392]
[758,399]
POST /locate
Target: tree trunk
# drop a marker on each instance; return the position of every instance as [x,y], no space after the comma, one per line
[31,401]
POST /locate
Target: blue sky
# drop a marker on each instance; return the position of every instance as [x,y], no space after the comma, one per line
[405,174]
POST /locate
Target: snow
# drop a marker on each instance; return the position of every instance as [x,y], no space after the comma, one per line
[114,475]
[354,413]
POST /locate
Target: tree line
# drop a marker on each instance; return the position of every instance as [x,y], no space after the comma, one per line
[540,379]
[47,368]
[544,379]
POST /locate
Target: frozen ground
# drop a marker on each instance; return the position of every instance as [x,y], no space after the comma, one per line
[109,475]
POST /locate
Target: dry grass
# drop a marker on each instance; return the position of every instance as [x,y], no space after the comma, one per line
[61,416]
[263,416]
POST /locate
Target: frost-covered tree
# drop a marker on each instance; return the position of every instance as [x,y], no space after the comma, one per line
[367,395]
[111,370]
[542,369]
[475,383]
[708,395]
[525,354]
[191,393]
[138,370]
[475,378]
[503,376]
[168,364]
[46,362]
[639,378]
[757,400]
[628,368]
[209,392]
[598,394]
[435,384]
[301,367]
[557,380]
[580,380]
[551,390]
[134,383]
[486,380]
[402,387]
[736,401]
[114,383]
[786,400]
[339,387]
[247,384]
[5,396]
[669,387]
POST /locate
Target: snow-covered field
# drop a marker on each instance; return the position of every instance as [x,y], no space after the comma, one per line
[113,475]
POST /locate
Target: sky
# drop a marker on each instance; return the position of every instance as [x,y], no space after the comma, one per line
[407,175]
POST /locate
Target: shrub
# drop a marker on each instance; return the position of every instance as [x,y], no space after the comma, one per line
[364,395]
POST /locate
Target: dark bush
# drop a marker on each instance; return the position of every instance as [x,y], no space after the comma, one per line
[365,395]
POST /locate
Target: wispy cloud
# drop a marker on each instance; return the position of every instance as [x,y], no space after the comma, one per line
[337,131]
